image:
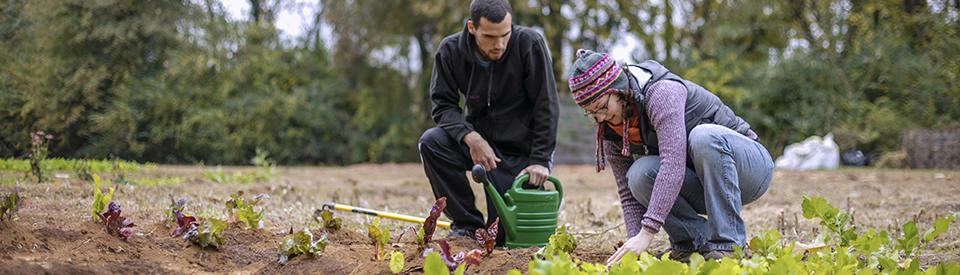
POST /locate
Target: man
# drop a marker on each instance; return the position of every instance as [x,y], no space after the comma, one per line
[506,75]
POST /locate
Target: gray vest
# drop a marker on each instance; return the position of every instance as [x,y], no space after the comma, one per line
[702,107]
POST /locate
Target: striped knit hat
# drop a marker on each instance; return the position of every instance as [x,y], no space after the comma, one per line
[593,76]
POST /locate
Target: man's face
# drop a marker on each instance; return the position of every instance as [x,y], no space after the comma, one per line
[491,37]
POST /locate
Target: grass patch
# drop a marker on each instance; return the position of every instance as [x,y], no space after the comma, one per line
[61,164]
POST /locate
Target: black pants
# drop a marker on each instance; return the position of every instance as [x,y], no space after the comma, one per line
[446,161]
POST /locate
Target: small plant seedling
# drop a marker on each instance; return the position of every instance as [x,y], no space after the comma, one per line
[10,204]
[115,223]
[434,265]
[488,237]
[327,220]
[425,234]
[185,224]
[100,200]
[830,217]
[560,241]
[299,243]
[241,210]
[209,234]
[379,236]
[460,259]
[176,205]
[396,262]
[39,141]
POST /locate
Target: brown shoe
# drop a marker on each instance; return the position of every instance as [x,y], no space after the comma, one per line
[677,255]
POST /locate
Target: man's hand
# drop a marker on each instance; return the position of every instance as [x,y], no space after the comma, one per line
[637,244]
[538,174]
[480,151]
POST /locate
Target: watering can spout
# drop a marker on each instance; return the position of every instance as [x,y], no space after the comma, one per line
[479,174]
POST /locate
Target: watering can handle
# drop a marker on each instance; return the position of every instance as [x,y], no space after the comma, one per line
[518,184]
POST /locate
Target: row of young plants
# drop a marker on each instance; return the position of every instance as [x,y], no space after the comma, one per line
[266,170]
[73,165]
[119,169]
[205,232]
[845,249]
[38,167]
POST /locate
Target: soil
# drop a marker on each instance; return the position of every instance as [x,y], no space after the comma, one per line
[53,232]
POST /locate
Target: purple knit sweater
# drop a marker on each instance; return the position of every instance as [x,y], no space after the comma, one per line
[665,107]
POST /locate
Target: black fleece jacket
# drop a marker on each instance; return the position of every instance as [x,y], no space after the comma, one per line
[512,103]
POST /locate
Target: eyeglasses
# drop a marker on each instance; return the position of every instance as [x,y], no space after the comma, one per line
[601,110]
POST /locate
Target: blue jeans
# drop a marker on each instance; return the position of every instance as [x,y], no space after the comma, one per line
[729,170]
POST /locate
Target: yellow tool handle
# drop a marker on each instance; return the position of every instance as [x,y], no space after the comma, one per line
[387,215]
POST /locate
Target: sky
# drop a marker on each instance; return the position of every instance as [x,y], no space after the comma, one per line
[292,20]
[295,15]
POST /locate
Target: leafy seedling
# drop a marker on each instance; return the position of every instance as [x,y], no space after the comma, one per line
[454,260]
[488,237]
[327,220]
[379,237]
[912,239]
[435,265]
[451,259]
[186,224]
[115,223]
[210,233]
[830,217]
[396,262]
[100,200]
[425,234]
[560,241]
[10,205]
[176,205]
[299,243]
[241,210]
[766,243]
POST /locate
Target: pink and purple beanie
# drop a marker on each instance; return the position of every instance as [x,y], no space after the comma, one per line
[593,76]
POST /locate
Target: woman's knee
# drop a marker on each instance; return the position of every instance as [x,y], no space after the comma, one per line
[641,177]
[704,137]
[707,139]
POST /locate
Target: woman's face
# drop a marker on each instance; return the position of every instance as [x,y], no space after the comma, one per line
[608,108]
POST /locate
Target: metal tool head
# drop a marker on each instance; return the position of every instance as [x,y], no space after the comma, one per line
[479,174]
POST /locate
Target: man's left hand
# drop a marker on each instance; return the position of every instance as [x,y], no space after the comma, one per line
[637,244]
[538,174]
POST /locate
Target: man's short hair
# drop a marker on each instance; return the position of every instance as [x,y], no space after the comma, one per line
[492,10]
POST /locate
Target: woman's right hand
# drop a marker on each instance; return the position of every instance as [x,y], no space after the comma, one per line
[480,151]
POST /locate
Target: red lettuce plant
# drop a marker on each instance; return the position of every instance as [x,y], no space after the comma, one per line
[115,223]
[452,260]
[425,234]
[488,237]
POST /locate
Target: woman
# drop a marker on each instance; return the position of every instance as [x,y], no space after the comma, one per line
[676,152]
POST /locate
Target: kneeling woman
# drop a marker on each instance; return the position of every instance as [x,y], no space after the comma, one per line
[676,152]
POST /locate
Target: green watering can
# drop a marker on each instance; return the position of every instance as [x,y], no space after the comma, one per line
[528,216]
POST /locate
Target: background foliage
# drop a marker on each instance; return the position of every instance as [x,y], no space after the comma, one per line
[182,82]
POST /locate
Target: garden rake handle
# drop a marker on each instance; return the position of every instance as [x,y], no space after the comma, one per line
[382,214]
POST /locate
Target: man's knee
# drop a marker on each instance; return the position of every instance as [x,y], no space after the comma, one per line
[641,177]
[432,138]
